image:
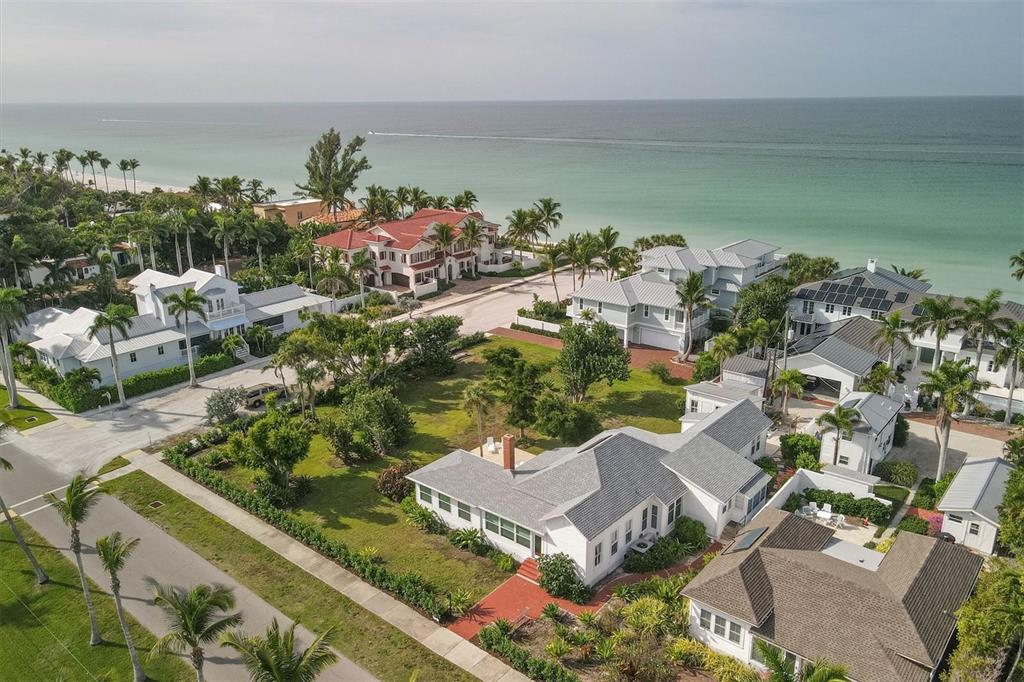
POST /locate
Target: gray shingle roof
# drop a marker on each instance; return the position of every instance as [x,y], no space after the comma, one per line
[646,288]
[889,625]
[979,487]
[845,343]
[876,411]
[723,391]
[745,364]
[734,426]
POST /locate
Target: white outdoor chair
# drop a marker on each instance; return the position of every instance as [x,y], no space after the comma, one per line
[827,508]
[839,520]
[491,447]
[814,507]
[805,511]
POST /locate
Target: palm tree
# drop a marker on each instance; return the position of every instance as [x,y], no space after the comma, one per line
[724,346]
[260,336]
[195,620]
[275,658]
[83,161]
[757,334]
[203,189]
[1017,263]
[418,198]
[192,223]
[693,296]
[981,321]
[335,277]
[359,266]
[473,237]
[554,253]
[477,401]
[781,669]
[224,232]
[175,224]
[41,576]
[1010,353]
[879,379]
[444,238]
[114,552]
[841,420]
[16,255]
[587,250]
[124,166]
[259,232]
[548,215]
[790,382]
[12,316]
[188,301]
[522,224]
[105,164]
[117,317]
[92,156]
[231,343]
[607,238]
[79,498]
[954,384]
[940,317]
[892,332]
[133,164]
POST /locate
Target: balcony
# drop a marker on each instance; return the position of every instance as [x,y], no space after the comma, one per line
[230,311]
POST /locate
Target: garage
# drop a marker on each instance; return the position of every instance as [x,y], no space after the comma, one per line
[657,338]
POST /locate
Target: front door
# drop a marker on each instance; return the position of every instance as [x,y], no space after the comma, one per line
[536,545]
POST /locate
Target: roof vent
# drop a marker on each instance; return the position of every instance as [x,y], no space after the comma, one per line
[872,264]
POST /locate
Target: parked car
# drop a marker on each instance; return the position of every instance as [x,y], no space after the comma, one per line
[257,394]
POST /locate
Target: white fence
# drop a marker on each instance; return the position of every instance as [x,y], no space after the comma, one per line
[822,480]
[538,324]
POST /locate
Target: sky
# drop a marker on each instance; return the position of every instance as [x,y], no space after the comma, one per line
[197,51]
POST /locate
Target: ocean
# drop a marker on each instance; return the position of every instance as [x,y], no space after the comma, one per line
[936,183]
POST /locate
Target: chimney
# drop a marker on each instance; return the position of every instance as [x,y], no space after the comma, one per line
[219,270]
[872,264]
[508,452]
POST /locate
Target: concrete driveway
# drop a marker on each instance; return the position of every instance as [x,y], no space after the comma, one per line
[922,450]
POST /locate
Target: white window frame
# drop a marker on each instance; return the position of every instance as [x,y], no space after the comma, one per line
[444,502]
[629,531]
[715,292]
[427,495]
[735,629]
[974,528]
[614,547]
[665,316]
[954,518]
[705,619]
[600,307]
[830,307]
[847,310]
[159,350]
[808,307]
[647,310]
[132,357]
[598,550]
[463,510]
[844,459]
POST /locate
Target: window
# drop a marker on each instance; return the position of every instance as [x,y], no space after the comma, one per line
[600,307]
[132,357]
[954,518]
[491,522]
[705,619]
[671,514]
[989,366]
[597,554]
[843,459]
[647,311]
[654,516]
[444,502]
[716,292]
[662,270]
[830,307]
[426,494]
[181,345]
[679,507]
[694,405]
[808,307]
[756,652]
[508,529]
[632,308]
[420,256]
[805,329]
[876,314]
[159,350]
[643,520]
[734,632]
[629,531]
[299,216]
[391,256]
[974,529]
[615,541]
[847,310]
[720,626]
[523,536]
[665,316]
[404,258]
[463,510]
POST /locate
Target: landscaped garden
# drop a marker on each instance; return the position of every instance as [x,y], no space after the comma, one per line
[25,416]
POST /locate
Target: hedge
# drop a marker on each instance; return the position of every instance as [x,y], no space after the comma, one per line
[409,587]
[875,511]
[497,638]
[533,330]
[899,471]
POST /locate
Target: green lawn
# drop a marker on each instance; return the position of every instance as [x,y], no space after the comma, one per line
[345,501]
[363,637]
[113,464]
[25,416]
[44,630]
[894,493]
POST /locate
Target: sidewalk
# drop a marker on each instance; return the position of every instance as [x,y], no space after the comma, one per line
[441,641]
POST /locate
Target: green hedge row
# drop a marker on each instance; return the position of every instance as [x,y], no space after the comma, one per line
[875,511]
[532,330]
[498,639]
[411,588]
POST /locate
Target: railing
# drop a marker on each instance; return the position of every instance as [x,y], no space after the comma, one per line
[195,352]
[225,312]
[242,351]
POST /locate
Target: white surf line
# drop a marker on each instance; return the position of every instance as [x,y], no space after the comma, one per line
[172,122]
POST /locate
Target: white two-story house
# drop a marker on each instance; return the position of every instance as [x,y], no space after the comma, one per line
[873,432]
[595,501]
[645,307]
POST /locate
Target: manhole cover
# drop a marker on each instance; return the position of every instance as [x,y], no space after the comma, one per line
[156,504]
[31,419]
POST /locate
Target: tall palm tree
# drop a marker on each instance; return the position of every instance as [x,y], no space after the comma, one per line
[418,198]
[549,214]
[175,223]
[782,670]
[893,331]
[41,576]
[444,238]
[359,266]
[757,335]
[133,164]
[940,317]
[586,252]
[790,382]
[192,223]
[522,226]
[114,552]
[954,385]
[105,164]
[1010,353]
[335,277]
[841,421]
[93,156]
[607,240]
[570,245]
[473,237]
[225,232]
[124,166]
[274,657]
[982,322]
[693,296]
[203,189]
[259,232]
[1017,263]
[12,317]
[83,161]
[477,401]
[16,255]
[188,301]
[724,346]
[554,254]
[196,620]
[117,317]
[79,498]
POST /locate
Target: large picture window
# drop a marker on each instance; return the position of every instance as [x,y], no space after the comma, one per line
[491,522]
[426,494]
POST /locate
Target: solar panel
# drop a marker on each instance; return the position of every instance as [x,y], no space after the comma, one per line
[831,298]
[819,295]
[885,306]
[841,289]
[832,286]
[901,297]
[857,291]
[747,539]
[849,300]
[872,293]
[857,281]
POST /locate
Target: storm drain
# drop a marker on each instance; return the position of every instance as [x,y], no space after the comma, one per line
[155,504]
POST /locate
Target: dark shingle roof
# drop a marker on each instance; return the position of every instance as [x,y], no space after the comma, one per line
[744,364]
[845,343]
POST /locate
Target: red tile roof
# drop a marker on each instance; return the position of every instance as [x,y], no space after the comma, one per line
[350,240]
[348,215]
[400,234]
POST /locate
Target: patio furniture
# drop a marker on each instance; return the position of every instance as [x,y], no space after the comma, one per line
[491,447]
[838,520]
[805,511]
[823,515]
[814,506]
[827,507]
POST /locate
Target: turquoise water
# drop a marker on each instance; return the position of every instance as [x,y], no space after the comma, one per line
[932,183]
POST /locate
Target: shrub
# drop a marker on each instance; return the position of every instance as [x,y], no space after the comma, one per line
[558,577]
[942,485]
[569,422]
[885,545]
[341,439]
[222,405]
[809,461]
[767,465]
[469,539]
[899,436]
[661,371]
[793,444]
[899,471]
[875,511]
[997,415]
[913,524]
[504,562]
[930,492]
[421,517]
[533,330]
[688,536]
[691,531]
[467,341]
[705,368]
[392,482]
[497,638]
[551,611]
[377,298]
[793,502]
[545,311]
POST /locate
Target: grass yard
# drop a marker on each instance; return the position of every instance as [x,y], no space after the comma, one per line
[112,465]
[345,501]
[25,416]
[361,636]
[44,630]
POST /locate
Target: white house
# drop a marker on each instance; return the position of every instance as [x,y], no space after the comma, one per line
[872,434]
[743,377]
[595,501]
[78,268]
[155,338]
[839,354]
[874,292]
[406,255]
[790,583]
[970,507]
[644,307]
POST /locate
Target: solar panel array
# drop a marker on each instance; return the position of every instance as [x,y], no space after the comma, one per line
[853,294]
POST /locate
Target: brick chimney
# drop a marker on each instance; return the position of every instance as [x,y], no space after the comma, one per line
[508,452]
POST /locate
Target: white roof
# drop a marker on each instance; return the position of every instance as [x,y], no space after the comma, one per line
[741,254]
[646,288]
[53,321]
[978,487]
[193,277]
[149,276]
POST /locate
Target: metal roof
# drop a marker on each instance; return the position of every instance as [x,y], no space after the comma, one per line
[725,391]
[646,288]
[876,411]
[848,344]
[978,487]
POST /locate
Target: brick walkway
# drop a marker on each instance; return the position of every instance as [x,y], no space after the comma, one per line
[640,356]
[518,597]
[983,430]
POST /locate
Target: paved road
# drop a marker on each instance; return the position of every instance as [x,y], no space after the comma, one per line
[157,557]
